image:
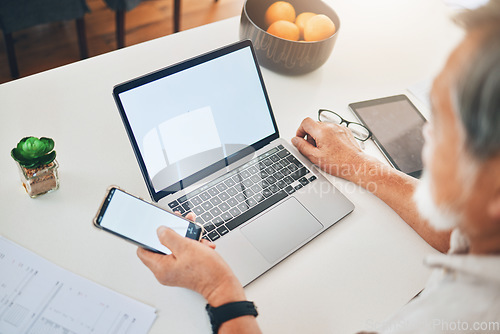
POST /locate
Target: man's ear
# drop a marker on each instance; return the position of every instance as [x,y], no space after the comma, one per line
[494,201]
[494,206]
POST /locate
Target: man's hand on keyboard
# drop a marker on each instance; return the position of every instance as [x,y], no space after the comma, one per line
[331,147]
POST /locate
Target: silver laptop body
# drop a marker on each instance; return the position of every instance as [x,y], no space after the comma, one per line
[206,140]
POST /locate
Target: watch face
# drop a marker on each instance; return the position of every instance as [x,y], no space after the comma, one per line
[210,311]
[229,311]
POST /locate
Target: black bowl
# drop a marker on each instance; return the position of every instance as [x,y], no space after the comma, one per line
[281,55]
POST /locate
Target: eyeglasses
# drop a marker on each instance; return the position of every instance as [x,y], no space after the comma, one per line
[359,131]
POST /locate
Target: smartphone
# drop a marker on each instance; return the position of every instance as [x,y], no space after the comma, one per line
[136,220]
[396,125]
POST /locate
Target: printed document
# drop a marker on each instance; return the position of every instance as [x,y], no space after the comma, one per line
[37,296]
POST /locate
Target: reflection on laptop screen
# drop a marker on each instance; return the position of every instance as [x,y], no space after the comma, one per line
[190,119]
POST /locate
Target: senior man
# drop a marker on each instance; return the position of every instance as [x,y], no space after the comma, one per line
[457,200]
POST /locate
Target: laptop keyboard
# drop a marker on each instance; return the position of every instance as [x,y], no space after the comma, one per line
[232,199]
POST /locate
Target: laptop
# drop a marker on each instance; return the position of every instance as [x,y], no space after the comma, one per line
[206,140]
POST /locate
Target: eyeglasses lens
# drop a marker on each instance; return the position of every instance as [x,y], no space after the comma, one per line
[359,131]
[326,116]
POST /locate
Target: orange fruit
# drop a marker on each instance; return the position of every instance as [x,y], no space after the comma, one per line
[284,29]
[280,10]
[301,21]
[318,27]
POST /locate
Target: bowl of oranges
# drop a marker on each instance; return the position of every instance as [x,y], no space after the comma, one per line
[291,37]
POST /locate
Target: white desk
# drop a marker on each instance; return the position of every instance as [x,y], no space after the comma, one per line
[351,277]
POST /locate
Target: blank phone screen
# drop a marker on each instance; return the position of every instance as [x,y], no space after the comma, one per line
[137,220]
[397,128]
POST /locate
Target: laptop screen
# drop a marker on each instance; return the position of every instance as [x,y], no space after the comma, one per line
[187,121]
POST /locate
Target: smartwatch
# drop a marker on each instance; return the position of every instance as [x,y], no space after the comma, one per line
[223,313]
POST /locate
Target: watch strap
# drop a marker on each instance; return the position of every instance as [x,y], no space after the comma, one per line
[219,315]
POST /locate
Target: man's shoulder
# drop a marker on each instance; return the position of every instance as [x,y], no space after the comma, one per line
[464,291]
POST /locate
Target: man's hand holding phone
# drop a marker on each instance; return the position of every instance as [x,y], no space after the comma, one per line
[193,265]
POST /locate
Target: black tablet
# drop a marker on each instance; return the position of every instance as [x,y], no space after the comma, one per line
[396,125]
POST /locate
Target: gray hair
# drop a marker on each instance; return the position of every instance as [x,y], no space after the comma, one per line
[478,85]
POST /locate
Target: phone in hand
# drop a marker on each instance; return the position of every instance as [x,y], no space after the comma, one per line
[136,220]
[396,125]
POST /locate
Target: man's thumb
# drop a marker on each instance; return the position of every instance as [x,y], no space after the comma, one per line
[169,238]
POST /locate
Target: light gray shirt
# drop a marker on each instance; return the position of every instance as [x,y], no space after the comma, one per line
[461,296]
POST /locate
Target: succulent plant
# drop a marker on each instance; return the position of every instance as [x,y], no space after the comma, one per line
[32,152]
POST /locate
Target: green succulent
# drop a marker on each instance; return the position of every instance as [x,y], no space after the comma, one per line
[32,152]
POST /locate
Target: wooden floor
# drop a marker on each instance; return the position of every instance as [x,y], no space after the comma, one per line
[51,45]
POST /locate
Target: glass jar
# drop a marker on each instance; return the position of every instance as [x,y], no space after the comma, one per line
[40,180]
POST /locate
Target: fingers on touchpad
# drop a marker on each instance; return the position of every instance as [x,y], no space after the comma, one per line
[281,230]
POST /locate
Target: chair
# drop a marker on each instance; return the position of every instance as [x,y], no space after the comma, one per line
[21,14]
[122,6]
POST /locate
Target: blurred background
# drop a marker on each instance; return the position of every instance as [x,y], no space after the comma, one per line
[45,46]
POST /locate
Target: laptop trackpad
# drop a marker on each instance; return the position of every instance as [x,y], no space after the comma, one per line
[281,230]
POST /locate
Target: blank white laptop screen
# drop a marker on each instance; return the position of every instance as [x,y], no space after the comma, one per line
[191,119]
